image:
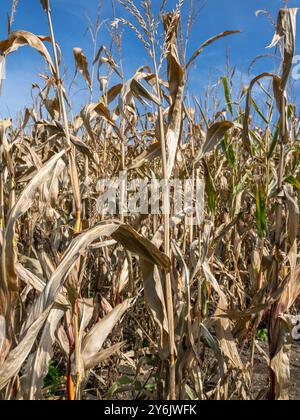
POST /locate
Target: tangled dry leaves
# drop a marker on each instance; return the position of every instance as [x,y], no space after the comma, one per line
[138,305]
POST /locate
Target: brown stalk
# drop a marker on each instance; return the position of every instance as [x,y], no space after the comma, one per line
[167,247]
[74,180]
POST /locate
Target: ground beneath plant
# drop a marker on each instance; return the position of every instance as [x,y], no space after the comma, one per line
[260,381]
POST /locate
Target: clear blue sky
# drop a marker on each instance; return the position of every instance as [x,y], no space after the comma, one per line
[70,21]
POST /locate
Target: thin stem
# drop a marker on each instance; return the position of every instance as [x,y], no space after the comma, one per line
[71,152]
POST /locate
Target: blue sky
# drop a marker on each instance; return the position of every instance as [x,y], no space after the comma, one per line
[70,22]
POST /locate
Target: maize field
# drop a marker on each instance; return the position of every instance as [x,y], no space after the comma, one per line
[197,304]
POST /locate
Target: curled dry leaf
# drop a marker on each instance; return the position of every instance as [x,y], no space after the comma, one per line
[286,31]
[19,39]
[138,245]
[82,65]
[111,94]
[107,59]
[133,88]
[280,358]
[214,136]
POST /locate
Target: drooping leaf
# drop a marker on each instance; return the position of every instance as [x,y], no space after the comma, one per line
[82,65]
[280,358]
[19,39]
[246,137]
[207,43]
[286,31]
[214,136]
